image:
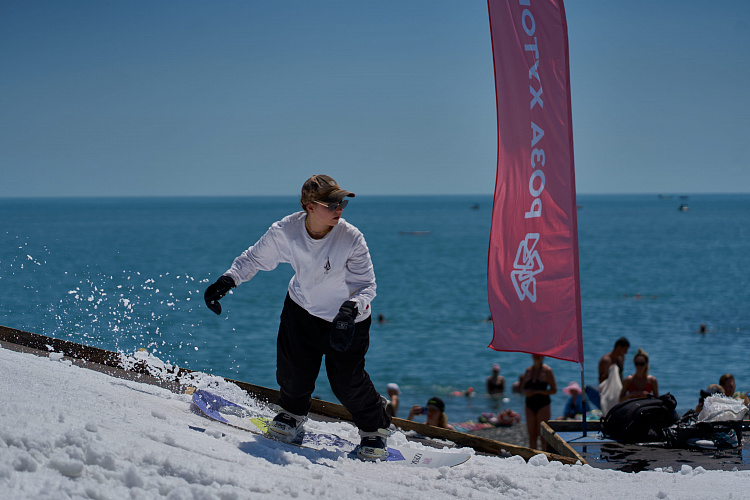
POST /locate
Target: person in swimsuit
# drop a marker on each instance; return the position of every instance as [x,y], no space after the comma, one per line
[640,384]
[393,399]
[495,382]
[614,357]
[729,386]
[537,385]
[435,412]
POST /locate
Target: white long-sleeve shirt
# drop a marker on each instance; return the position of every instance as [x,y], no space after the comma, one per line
[328,271]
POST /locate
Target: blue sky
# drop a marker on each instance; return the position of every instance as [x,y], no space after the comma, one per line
[170,98]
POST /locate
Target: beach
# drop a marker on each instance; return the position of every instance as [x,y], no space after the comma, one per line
[515,434]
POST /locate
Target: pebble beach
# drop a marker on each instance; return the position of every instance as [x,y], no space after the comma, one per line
[516,434]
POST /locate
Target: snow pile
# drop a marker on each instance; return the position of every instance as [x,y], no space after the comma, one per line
[68,432]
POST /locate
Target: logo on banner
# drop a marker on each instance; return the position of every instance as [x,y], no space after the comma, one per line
[527,265]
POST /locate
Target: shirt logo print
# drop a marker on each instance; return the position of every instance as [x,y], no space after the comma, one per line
[327,267]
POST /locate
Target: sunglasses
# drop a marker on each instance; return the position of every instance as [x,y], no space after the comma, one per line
[333,206]
[640,363]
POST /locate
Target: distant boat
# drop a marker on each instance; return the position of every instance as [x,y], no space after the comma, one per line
[414,233]
[475,206]
[684,207]
[665,196]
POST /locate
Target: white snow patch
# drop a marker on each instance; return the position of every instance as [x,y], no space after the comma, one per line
[68,432]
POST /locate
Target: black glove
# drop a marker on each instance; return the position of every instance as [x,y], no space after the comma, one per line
[215,292]
[342,330]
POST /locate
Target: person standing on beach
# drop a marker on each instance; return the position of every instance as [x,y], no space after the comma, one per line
[326,312]
[537,385]
[616,357]
[495,382]
[610,375]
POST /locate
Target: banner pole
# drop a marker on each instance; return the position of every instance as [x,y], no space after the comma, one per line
[583,400]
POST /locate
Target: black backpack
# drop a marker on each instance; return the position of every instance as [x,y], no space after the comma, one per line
[640,420]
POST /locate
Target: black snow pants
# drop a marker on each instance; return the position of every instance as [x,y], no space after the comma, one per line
[302,342]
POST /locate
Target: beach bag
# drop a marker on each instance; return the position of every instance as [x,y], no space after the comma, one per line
[689,432]
[719,408]
[640,420]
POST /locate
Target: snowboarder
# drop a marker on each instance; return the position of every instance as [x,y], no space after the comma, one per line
[326,312]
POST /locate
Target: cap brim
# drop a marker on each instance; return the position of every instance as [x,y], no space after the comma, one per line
[338,195]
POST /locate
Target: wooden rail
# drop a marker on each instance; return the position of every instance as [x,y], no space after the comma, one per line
[558,444]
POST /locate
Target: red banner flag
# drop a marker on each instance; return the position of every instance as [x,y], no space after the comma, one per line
[532,274]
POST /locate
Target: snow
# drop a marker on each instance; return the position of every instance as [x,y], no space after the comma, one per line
[69,432]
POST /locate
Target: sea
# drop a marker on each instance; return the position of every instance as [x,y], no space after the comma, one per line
[129,273]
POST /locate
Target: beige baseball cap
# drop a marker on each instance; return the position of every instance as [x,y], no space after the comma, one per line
[322,188]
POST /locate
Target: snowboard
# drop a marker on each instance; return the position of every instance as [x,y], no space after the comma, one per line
[241,417]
